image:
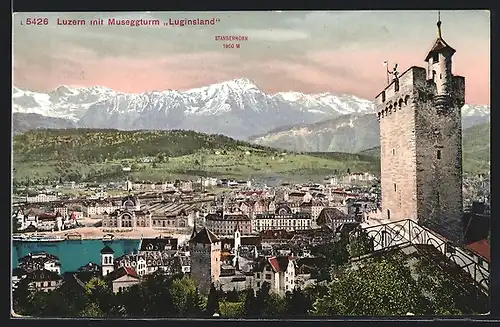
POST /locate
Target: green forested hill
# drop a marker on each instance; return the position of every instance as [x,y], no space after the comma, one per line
[95,155]
[97,145]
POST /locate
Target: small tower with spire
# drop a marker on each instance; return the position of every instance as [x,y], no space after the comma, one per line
[439,64]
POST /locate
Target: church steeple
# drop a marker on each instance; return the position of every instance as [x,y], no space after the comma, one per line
[193,234]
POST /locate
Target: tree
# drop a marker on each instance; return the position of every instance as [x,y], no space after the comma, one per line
[359,243]
[274,306]
[377,287]
[184,296]
[213,301]
[91,310]
[444,296]
[261,298]
[232,296]
[250,307]
[332,255]
[100,294]
[348,171]
[298,303]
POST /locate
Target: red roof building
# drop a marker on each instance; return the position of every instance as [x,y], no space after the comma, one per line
[481,248]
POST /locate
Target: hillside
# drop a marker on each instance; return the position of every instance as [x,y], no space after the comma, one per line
[97,145]
[22,122]
[99,154]
[346,133]
[476,149]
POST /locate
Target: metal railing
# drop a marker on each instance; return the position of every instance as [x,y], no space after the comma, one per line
[410,232]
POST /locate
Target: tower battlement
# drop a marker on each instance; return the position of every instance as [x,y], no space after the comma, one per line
[413,86]
[400,92]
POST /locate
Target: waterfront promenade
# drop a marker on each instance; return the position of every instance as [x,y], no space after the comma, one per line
[97,233]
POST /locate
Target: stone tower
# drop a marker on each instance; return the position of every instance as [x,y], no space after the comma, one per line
[107,260]
[205,251]
[421,143]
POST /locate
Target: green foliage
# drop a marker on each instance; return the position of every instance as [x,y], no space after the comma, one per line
[91,310]
[445,296]
[359,243]
[477,149]
[332,255]
[377,288]
[231,309]
[387,286]
[185,297]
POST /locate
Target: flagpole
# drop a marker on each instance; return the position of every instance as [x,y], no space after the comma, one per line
[387,72]
[385,64]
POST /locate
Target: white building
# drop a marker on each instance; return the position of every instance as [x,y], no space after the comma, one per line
[278,271]
[99,208]
[62,210]
[282,218]
[207,182]
[41,198]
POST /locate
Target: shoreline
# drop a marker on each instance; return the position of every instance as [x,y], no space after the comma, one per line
[97,233]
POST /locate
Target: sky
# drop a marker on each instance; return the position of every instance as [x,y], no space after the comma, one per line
[311,52]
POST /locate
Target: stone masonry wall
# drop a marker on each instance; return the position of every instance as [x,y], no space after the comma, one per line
[201,266]
[439,175]
[417,183]
[397,139]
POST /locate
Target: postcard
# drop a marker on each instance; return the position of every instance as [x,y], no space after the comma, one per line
[250,165]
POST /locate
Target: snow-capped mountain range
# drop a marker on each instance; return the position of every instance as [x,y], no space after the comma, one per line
[237,108]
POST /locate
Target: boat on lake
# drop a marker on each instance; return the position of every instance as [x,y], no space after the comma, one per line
[108,237]
[37,238]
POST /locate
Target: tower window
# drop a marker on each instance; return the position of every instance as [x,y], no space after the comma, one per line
[438,198]
[438,154]
[435,58]
[394,187]
[396,85]
[440,76]
[383,96]
[433,75]
[393,152]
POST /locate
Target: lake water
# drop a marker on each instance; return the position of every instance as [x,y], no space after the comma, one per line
[73,254]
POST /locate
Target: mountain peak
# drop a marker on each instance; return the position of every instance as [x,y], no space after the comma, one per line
[242,83]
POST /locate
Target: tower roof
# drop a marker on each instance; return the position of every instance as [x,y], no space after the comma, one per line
[204,236]
[439,45]
[107,250]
